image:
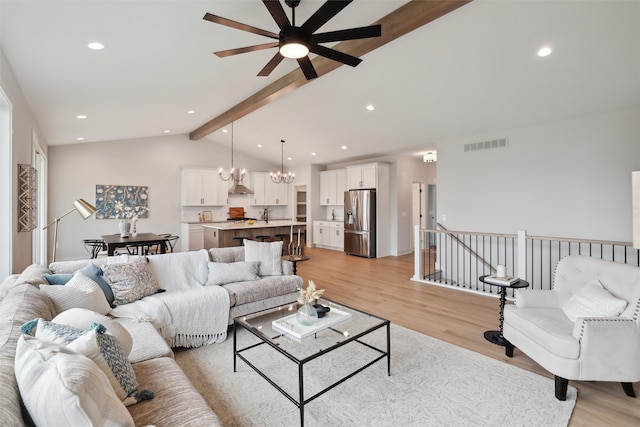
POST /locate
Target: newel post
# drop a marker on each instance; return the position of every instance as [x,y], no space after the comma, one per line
[417,254]
[522,254]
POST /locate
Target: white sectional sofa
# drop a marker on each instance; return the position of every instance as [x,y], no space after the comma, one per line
[201,293]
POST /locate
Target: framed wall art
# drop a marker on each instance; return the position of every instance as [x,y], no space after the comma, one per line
[122,201]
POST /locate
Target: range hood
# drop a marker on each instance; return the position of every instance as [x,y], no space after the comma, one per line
[239,188]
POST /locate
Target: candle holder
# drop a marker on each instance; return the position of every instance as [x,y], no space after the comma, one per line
[295,250]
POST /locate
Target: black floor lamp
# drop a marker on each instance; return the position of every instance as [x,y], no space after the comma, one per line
[84,208]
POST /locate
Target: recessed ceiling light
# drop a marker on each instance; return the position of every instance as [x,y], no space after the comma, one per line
[545,51]
[80,139]
[191,112]
[344,147]
[81,116]
[225,131]
[259,145]
[289,158]
[167,131]
[313,154]
[370,107]
[95,46]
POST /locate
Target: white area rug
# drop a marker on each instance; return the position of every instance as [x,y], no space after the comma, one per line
[432,383]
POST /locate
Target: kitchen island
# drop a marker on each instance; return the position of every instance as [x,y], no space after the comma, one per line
[222,234]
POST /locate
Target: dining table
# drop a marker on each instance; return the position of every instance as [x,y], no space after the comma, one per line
[115,241]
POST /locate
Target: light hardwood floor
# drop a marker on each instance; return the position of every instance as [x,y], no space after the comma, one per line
[383,287]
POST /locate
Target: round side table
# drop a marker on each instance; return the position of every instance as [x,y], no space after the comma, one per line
[496,337]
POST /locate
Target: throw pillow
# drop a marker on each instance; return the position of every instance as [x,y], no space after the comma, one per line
[34,275]
[62,388]
[95,273]
[107,353]
[80,291]
[51,332]
[221,273]
[268,253]
[82,318]
[593,300]
[130,281]
[58,279]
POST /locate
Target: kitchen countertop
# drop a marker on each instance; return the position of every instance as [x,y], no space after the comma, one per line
[230,225]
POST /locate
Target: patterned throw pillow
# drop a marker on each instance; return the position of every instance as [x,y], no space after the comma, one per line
[51,331]
[107,353]
[80,291]
[130,281]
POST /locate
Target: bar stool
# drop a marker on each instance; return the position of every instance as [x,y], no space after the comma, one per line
[284,238]
[263,238]
[240,240]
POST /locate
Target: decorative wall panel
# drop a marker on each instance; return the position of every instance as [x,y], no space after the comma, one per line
[27,188]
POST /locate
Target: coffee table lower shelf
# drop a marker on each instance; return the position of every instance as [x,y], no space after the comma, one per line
[300,401]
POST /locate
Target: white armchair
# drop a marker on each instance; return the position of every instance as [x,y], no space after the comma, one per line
[586,328]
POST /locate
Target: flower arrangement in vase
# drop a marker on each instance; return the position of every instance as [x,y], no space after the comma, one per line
[128,216]
[307,313]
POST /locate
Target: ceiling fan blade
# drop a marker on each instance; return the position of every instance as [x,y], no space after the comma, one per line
[239,26]
[324,14]
[273,63]
[277,13]
[350,34]
[335,55]
[229,52]
[307,68]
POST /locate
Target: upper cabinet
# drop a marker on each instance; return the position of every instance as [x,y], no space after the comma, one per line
[203,187]
[362,176]
[333,184]
[267,192]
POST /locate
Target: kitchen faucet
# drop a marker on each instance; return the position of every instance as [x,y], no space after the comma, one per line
[265,215]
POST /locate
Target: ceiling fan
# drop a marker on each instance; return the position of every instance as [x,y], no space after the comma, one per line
[296,42]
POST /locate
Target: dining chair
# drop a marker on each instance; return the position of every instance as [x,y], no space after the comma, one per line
[94,246]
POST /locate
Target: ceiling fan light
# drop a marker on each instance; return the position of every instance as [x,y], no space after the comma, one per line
[294,50]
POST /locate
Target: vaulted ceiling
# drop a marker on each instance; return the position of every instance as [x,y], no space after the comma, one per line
[471,71]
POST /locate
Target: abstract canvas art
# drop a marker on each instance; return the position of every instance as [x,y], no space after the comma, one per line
[122,201]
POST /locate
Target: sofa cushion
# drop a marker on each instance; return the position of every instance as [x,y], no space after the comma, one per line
[548,327]
[593,300]
[221,273]
[268,253]
[176,402]
[34,275]
[80,291]
[60,387]
[61,267]
[147,341]
[233,254]
[180,271]
[267,287]
[130,281]
[82,318]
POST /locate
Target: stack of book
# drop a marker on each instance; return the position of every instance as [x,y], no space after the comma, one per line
[497,280]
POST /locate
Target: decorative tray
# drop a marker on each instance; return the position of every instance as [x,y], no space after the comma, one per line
[289,325]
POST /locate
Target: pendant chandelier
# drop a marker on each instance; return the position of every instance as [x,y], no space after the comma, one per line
[280,177]
[236,175]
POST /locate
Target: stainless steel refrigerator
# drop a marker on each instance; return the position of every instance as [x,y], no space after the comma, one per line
[360,223]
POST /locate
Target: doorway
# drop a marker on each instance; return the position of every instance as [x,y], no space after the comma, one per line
[418,209]
[39,235]
[6,171]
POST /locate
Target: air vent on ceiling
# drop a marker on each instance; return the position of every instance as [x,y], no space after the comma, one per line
[487,145]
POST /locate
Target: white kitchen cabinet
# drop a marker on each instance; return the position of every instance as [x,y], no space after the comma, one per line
[362,176]
[267,192]
[203,187]
[328,234]
[192,238]
[333,184]
[336,232]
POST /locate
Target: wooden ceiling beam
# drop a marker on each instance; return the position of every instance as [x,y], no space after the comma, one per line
[403,20]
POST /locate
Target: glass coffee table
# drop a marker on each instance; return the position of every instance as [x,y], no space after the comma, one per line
[349,331]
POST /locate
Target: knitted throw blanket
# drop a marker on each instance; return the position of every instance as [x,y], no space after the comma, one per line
[189,318]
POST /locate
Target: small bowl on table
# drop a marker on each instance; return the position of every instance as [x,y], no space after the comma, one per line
[251,221]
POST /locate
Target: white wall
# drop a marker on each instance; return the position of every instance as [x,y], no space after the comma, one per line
[21,153]
[74,171]
[570,178]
